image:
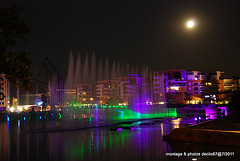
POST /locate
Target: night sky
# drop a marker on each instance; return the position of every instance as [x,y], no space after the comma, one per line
[139,32]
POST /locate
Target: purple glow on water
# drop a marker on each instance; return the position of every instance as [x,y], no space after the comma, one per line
[133,128]
[91,144]
[133,75]
[119,129]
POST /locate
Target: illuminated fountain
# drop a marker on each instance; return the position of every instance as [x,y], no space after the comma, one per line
[110,91]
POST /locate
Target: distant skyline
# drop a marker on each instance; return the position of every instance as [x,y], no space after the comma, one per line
[139,32]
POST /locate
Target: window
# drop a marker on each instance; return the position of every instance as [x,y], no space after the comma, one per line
[208,84]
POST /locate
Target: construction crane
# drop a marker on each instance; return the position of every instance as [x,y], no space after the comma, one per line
[51,75]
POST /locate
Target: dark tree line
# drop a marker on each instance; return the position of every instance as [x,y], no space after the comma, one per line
[13,29]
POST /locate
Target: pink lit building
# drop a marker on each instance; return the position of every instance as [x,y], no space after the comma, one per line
[186,87]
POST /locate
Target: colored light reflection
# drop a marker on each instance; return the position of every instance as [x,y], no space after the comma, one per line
[119,129]
[8,119]
[59,115]
[114,112]
[130,114]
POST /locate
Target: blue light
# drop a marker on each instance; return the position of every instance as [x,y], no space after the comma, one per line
[24,118]
[40,103]
[8,118]
[195,119]
[40,117]
[199,118]
[120,111]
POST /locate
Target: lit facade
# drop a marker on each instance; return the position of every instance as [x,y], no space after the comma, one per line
[169,86]
[107,92]
[231,84]
[85,93]
[4,91]
[129,88]
[164,87]
[203,87]
[184,87]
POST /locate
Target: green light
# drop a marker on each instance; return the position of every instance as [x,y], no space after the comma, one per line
[59,115]
[129,114]
[82,148]
[110,139]
[121,112]
[104,143]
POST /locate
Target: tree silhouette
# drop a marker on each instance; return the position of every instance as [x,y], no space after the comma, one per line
[16,65]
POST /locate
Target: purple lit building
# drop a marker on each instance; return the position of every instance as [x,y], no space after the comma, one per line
[185,87]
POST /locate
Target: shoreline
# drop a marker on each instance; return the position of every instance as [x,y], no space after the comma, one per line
[223,131]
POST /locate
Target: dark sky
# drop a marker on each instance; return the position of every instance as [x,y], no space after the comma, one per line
[140,32]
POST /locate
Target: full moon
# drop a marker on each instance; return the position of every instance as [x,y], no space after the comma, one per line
[190,24]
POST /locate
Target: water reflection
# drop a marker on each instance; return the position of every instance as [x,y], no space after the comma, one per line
[144,143]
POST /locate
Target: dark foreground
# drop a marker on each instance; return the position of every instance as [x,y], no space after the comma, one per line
[144,142]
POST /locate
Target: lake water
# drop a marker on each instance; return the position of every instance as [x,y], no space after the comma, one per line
[28,141]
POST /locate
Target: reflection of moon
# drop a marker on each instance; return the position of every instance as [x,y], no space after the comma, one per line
[190,24]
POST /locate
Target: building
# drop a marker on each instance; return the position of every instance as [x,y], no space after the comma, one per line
[130,89]
[169,86]
[231,84]
[4,100]
[85,93]
[107,92]
[186,87]
[203,87]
